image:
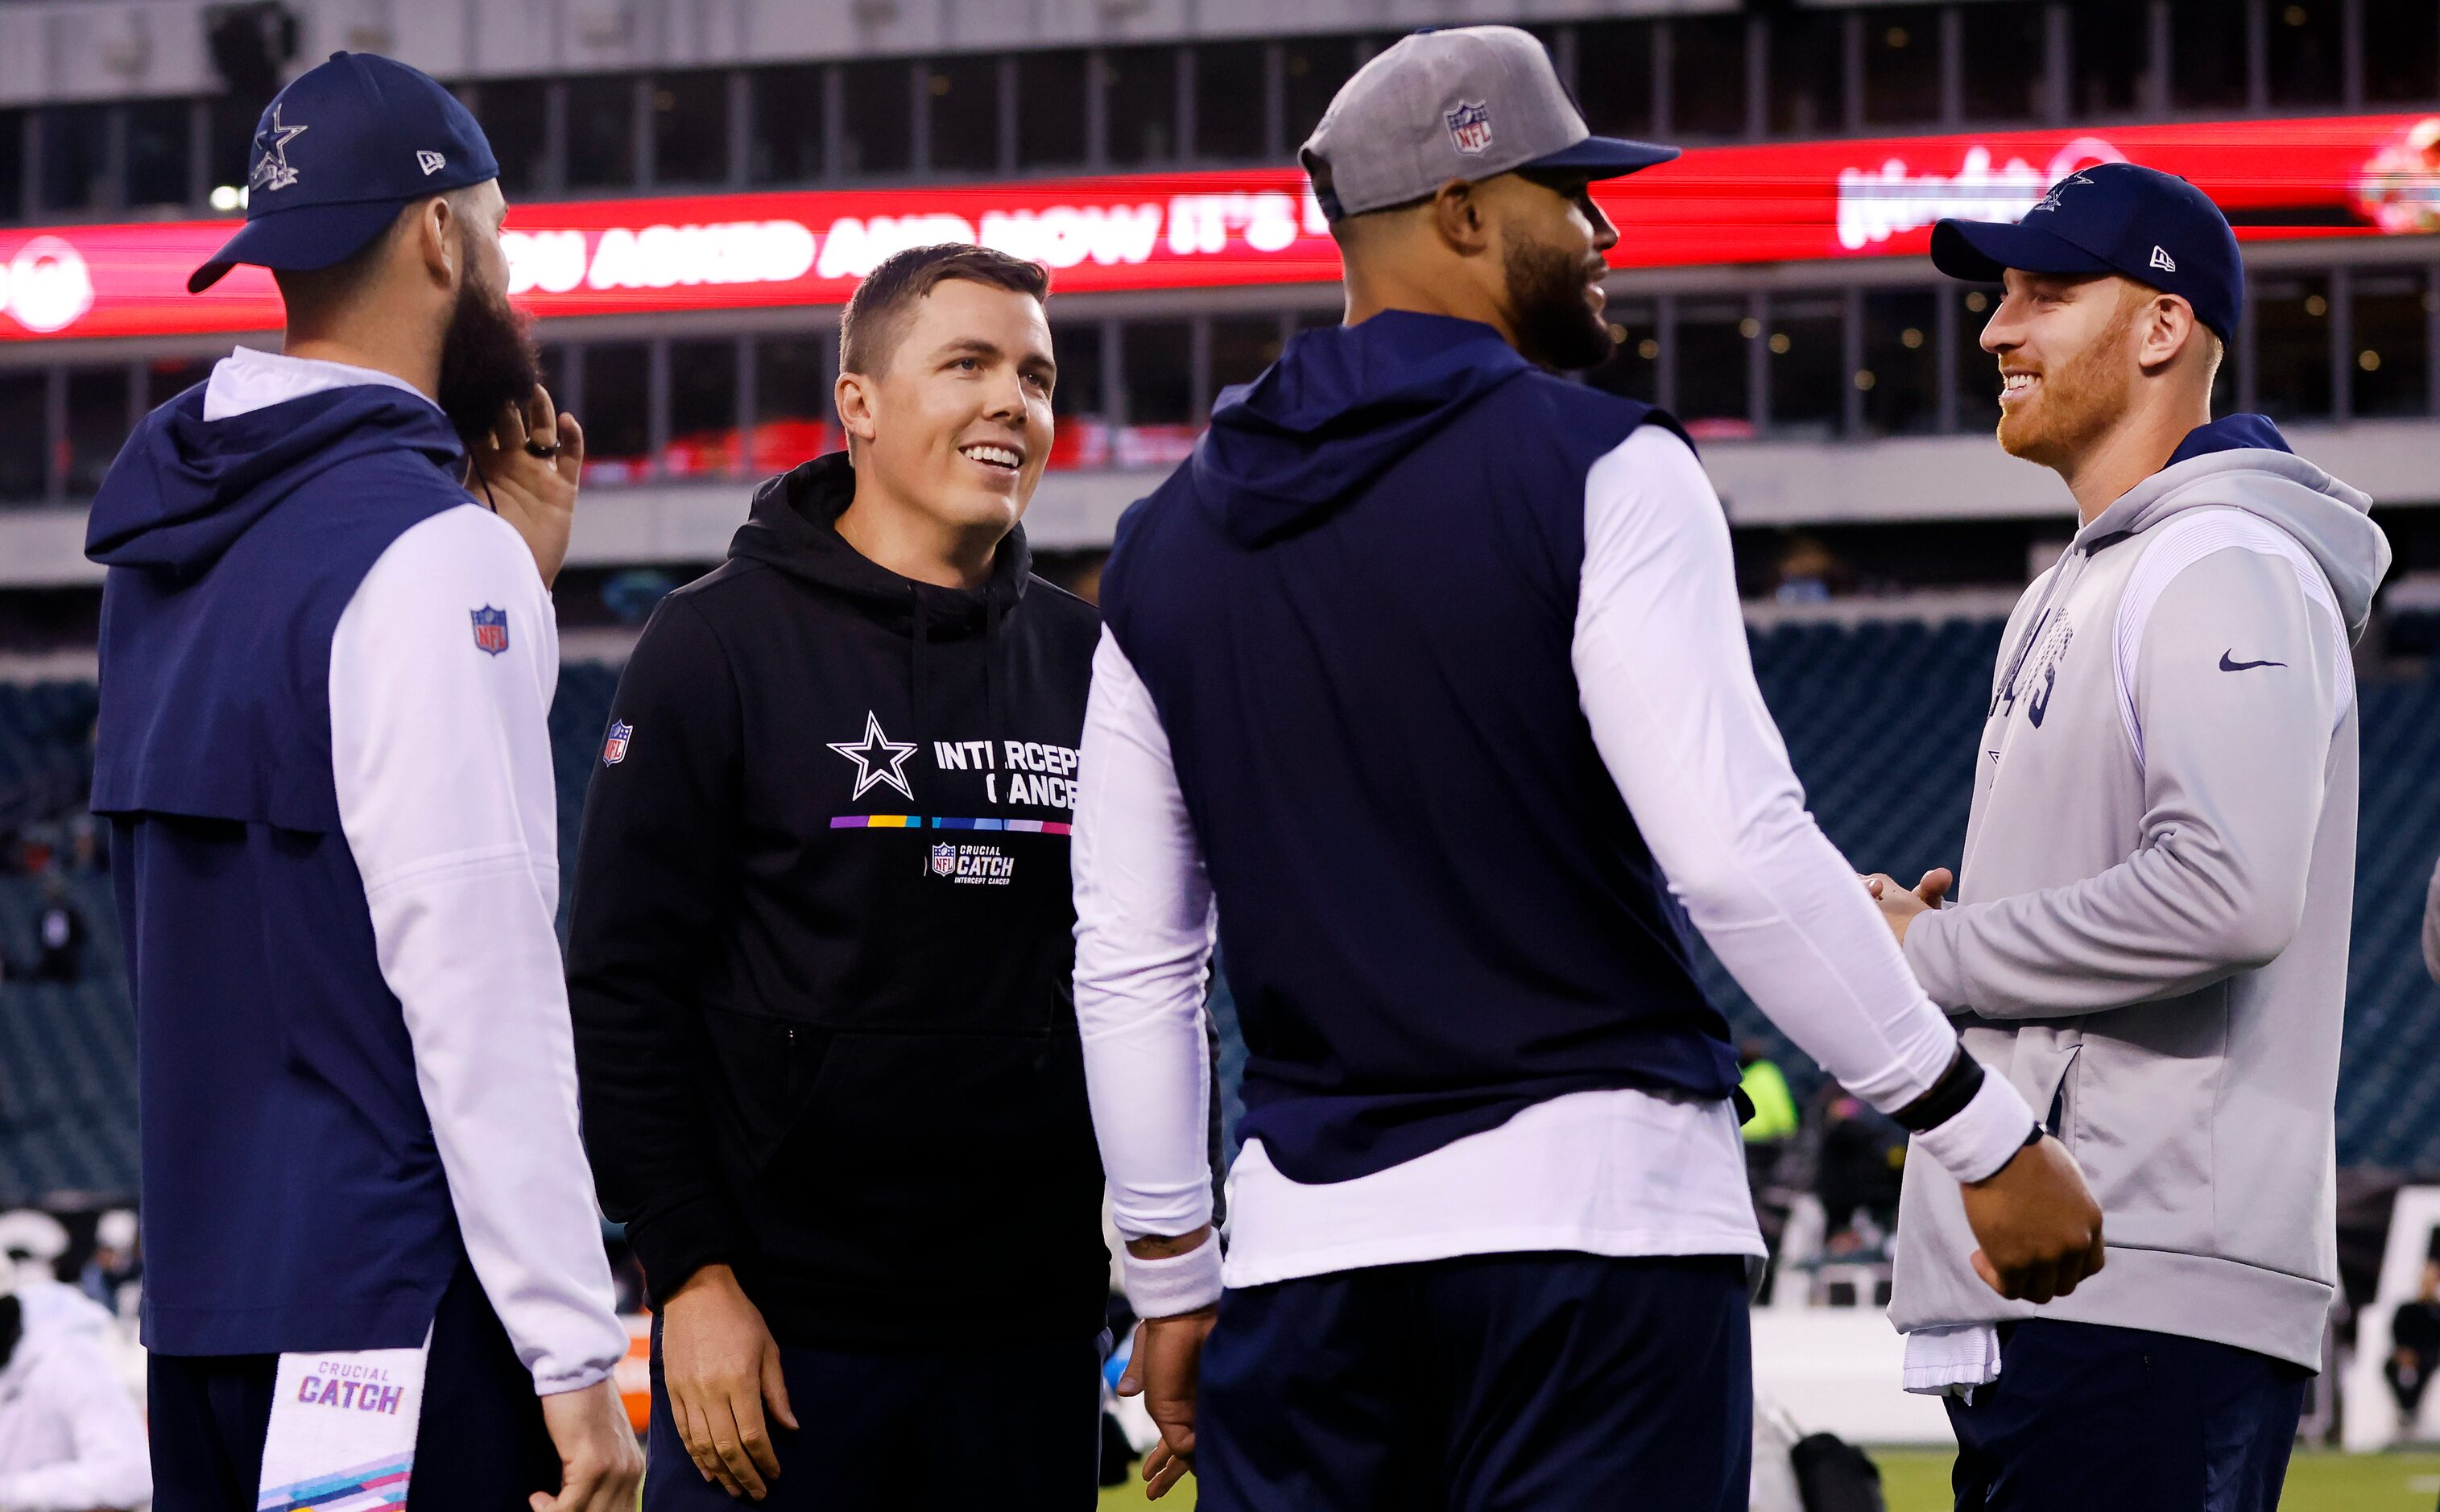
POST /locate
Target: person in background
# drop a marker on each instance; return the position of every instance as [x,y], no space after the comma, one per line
[71,1439]
[117,1263]
[324,752]
[58,934]
[2415,1347]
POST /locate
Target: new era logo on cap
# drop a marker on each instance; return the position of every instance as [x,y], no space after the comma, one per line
[2161,260]
[430,162]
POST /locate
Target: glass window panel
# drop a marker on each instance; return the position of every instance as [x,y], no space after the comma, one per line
[787,145]
[691,127]
[1050,109]
[2005,53]
[1079,438]
[618,428]
[2401,51]
[1901,64]
[1158,357]
[232,138]
[12,164]
[1312,68]
[73,159]
[703,411]
[1139,101]
[1807,362]
[2306,54]
[165,378]
[2392,341]
[2291,345]
[792,400]
[1808,73]
[1707,74]
[2110,44]
[1713,337]
[1242,346]
[1901,373]
[513,113]
[158,135]
[556,370]
[1229,94]
[96,426]
[2207,71]
[22,406]
[1614,76]
[1974,371]
[964,97]
[877,123]
[601,131]
[1633,370]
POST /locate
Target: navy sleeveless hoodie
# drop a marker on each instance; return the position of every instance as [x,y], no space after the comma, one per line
[1354,609]
[293,1193]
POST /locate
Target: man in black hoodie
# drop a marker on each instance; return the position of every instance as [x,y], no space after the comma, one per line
[820,950]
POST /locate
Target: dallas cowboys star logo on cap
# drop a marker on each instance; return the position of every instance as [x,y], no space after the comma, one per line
[878,758]
[271,170]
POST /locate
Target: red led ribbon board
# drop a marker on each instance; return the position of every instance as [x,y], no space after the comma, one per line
[2365,175]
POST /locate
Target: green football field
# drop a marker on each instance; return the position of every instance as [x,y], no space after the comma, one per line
[1917,1480]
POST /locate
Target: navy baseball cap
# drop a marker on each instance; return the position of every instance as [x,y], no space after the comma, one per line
[338,153]
[2153,227]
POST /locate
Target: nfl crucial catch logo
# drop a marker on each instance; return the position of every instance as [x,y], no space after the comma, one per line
[1469,127]
[614,749]
[944,861]
[491,628]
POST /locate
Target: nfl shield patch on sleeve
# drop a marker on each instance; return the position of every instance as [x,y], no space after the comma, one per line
[490,630]
[614,748]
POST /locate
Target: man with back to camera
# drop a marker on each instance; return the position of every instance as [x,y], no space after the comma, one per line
[821,942]
[2151,934]
[1428,671]
[322,748]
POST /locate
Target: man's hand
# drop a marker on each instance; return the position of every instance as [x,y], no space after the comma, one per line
[535,494]
[599,1466]
[2039,1227]
[1162,1368]
[1901,905]
[720,1366]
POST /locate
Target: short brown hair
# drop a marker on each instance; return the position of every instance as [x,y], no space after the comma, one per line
[876,313]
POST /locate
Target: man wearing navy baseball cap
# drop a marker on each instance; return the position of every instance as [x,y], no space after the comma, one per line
[1426,669]
[374,1264]
[2151,925]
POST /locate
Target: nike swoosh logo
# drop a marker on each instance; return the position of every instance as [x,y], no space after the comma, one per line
[2227,665]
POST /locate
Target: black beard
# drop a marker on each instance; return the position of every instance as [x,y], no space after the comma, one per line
[488,360]
[1556,327]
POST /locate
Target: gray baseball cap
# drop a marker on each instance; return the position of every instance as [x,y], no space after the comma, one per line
[1467,103]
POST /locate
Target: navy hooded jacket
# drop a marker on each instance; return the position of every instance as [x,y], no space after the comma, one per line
[1354,609]
[293,1197]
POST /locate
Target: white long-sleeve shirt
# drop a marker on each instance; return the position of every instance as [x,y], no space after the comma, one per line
[1666,684]
[440,753]
[71,1439]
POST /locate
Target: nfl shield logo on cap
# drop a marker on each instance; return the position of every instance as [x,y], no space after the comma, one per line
[944,860]
[614,748]
[1470,128]
[491,628]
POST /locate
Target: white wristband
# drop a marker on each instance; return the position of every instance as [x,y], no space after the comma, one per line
[1179,1283]
[1984,1134]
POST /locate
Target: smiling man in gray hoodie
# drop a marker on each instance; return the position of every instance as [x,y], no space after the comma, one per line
[2151,929]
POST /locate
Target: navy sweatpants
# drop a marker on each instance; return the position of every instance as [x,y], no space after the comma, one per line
[479,1447]
[1493,1383]
[1017,1429]
[2101,1419]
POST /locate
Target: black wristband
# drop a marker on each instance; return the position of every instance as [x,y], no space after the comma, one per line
[1947,1098]
[2033,1138]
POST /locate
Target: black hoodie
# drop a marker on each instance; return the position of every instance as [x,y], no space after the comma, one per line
[820,952]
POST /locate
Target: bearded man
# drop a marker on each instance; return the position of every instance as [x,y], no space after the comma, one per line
[2150,933]
[373,1262]
[1426,671]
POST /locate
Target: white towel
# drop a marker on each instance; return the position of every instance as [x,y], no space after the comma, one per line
[1943,1359]
[342,1436]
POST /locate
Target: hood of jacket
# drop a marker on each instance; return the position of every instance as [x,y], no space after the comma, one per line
[1342,403]
[183,489]
[793,526]
[2242,461]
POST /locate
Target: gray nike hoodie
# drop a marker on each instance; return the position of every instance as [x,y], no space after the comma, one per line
[2149,934]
